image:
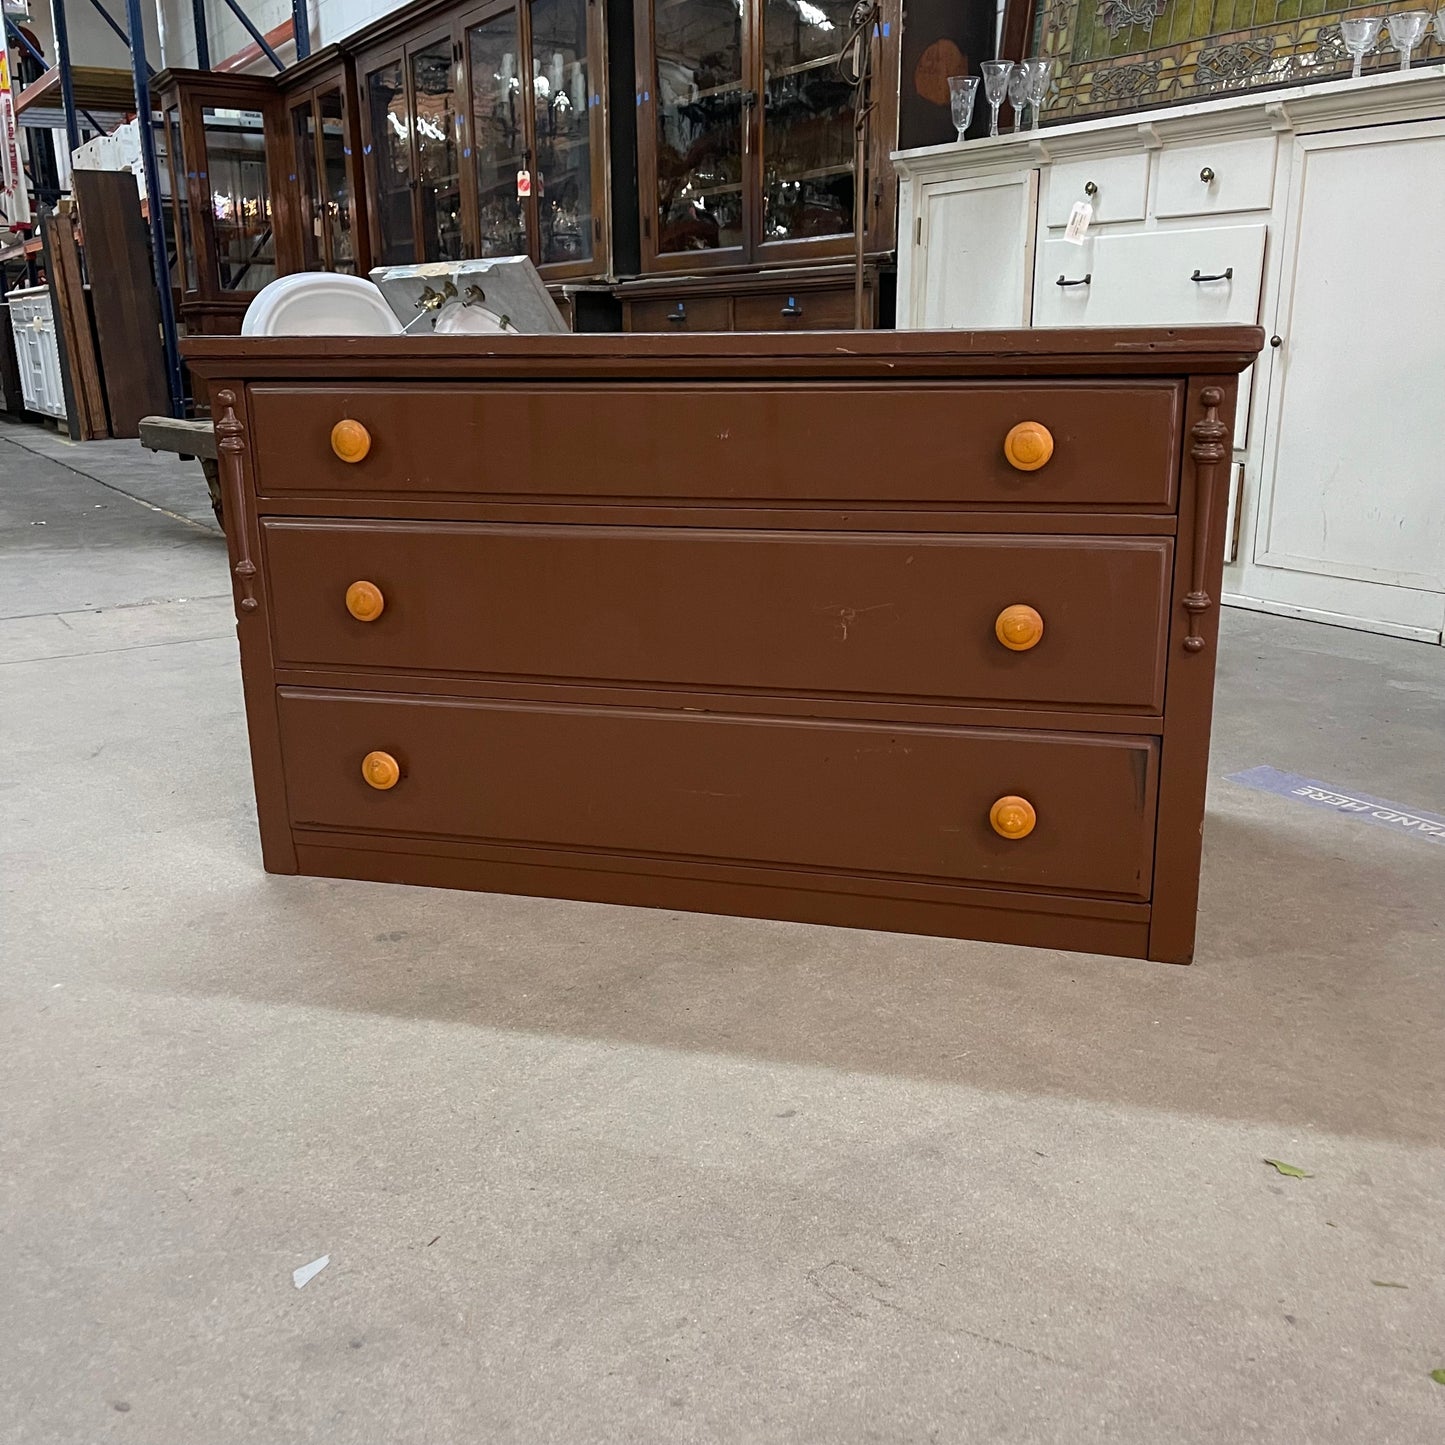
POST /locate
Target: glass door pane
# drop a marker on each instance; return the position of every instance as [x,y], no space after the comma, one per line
[499,141]
[698,90]
[807,121]
[303,142]
[391,163]
[336,182]
[240,188]
[171,165]
[438,179]
[563,129]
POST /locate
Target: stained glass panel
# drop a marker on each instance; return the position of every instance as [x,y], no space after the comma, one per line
[1123,55]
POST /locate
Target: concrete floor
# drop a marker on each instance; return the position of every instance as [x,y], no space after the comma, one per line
[589,1173]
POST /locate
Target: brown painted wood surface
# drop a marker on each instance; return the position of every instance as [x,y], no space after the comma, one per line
[127,313]
[1114,443]
[862,615]
[644,696]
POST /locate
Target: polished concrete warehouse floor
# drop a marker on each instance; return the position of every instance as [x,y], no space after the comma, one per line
[598,1174]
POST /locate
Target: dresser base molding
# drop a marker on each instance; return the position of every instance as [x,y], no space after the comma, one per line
[990,916]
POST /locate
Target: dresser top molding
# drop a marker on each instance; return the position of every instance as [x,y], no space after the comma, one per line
[1417,94]
[743,356]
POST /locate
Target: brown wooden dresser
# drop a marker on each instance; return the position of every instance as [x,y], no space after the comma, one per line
[908,631]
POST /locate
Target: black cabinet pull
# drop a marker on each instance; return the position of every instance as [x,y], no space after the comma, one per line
[1226,275]
[1083,281]
[678,317]
[792,308]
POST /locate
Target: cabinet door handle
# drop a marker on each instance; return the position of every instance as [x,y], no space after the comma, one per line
[792,308]
[1090,189]
[1226,275]
[1082,281]
[1207,175]
[678,317]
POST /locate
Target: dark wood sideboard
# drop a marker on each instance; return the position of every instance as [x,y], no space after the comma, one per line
[908,631]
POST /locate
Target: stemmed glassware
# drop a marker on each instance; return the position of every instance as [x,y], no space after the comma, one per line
[1440,25]
[961,92]
[1406,28]
[995,87]
[1041,74]
[1359,36]
[1018,94]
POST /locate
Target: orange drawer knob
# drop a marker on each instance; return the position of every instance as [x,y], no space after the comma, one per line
[1018,627]
[351,441]
[1013,817]
[1028,446]
[382,771]
[365,602]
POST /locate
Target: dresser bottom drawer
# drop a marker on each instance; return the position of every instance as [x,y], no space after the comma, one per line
[914,804]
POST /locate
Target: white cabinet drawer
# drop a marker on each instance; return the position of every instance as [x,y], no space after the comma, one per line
[1218,178]
[1121,188]
[1147,279]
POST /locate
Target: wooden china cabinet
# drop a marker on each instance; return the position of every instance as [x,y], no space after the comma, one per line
[746,163]
[484,131]
[231,225]
[324,164]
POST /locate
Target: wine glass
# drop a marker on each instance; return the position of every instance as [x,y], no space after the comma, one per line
[995,86]
[961,92]
[1359,36]
[1406,28]
[1018,94]
[1041,75]
[1440,25]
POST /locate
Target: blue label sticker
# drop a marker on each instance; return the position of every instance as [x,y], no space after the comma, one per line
[1429,827]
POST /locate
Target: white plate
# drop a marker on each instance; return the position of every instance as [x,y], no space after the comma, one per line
[318,303]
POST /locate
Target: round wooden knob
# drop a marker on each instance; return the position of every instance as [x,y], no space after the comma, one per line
[1018,627]
[1013,817]
[350,440]
[382,771]
[1028,446]
[364,601]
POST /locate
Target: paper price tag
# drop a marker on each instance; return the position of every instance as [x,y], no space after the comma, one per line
[524,183]
[1078,225]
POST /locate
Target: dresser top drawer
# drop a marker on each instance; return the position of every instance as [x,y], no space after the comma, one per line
[1012,621]
[1083,444]
[861,798]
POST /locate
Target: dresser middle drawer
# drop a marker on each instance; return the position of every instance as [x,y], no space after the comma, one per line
[1034,621]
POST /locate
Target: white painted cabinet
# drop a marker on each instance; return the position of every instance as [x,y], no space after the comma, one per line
[1350,514]
[1318,213]
[979,234]
[37,352]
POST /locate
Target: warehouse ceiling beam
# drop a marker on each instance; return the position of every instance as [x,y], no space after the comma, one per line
[250,28]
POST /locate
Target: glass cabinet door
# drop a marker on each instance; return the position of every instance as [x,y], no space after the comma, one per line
[335,181]
[807,123]
[171,166]
[390,141]
[699,99]
[438,179]
[499,133]
[562,124]
[240,197]
[303,145]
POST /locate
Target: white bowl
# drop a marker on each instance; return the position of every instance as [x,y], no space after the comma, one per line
[320,303]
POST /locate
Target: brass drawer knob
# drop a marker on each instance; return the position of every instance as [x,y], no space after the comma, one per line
[1028,446]
[382,771]
[1013,817]
[1018,627]
[350,440]
[365,602]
